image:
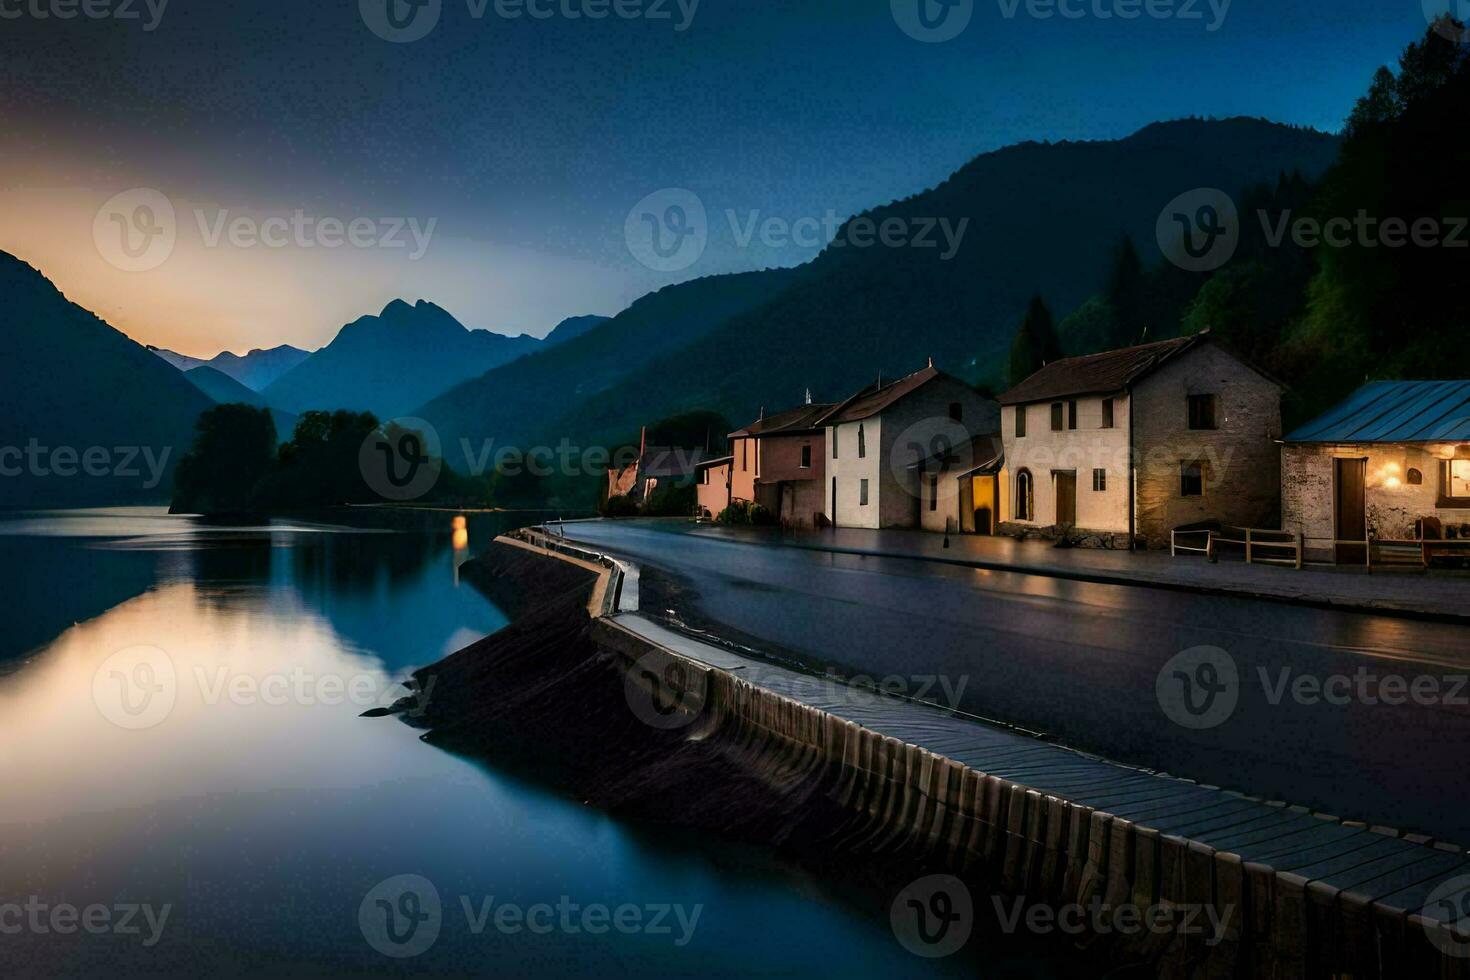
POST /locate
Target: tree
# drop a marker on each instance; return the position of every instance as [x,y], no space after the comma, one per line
[1036,343]
[1126,295]
[234,450]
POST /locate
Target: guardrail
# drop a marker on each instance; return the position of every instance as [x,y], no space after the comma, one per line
[1254,539]
[542,537]
[1405,551]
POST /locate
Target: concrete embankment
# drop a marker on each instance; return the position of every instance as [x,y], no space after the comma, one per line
[644,732]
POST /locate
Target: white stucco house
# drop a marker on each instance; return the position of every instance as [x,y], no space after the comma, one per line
[876,438]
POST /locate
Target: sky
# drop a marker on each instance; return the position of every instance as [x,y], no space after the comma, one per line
[213,176]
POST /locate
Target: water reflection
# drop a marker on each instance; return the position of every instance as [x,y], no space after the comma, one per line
[233,779]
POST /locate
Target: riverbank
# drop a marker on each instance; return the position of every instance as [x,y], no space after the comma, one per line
[703,749]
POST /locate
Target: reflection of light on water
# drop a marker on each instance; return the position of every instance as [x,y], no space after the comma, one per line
[257,671]
[461,544]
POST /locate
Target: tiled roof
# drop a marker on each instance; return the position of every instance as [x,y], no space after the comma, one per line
[1395,411]
[983,453]
[797,420]
[875,398]
[1096,374]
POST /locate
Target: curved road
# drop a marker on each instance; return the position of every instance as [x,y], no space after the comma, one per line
[1311,722]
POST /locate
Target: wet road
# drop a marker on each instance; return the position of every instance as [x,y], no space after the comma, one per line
[1365,717]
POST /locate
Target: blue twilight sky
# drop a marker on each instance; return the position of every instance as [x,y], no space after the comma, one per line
[527,140]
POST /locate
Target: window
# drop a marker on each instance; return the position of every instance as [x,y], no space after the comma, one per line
[1071,415]
[933,493]
[1454,483]
[1191,478]
[956,412]
[757,457]
[744,455]
[1099,481]
[1202,411]
[806,456]
[1415,478]
[1020,421]
[863,493]
[835,430]
[1024,496]
[1107,421]
[1056,417]
[862,442]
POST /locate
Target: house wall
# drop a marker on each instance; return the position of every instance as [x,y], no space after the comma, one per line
[1083,449]
[714,493]
[1308,491]
[744,468]
[781,463]
[848,470]
[910,428]
[1243,477]
[898,438]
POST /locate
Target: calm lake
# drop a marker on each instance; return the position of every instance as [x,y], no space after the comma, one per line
[188,786]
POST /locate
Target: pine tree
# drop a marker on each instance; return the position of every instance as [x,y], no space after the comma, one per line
[1036,343]
[1126,295]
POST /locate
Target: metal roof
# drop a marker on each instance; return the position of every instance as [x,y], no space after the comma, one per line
[1395,411]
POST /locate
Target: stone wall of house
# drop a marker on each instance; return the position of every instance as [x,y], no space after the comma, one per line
[915,428]
[1394,501]
[1242,455]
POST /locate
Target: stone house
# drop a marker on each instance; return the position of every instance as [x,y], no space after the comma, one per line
[1119,448]
[780,462]
[876,438]
[1394,454]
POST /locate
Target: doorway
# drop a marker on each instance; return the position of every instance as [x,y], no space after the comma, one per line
[1350,510]
[1066,487]
[982,503]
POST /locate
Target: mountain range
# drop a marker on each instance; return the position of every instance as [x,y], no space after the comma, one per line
[1039,217]
[1042,217]
[255,370]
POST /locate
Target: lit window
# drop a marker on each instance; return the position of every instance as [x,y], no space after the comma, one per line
[1456,479]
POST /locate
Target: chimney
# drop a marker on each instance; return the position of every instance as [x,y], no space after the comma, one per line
[808,396]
